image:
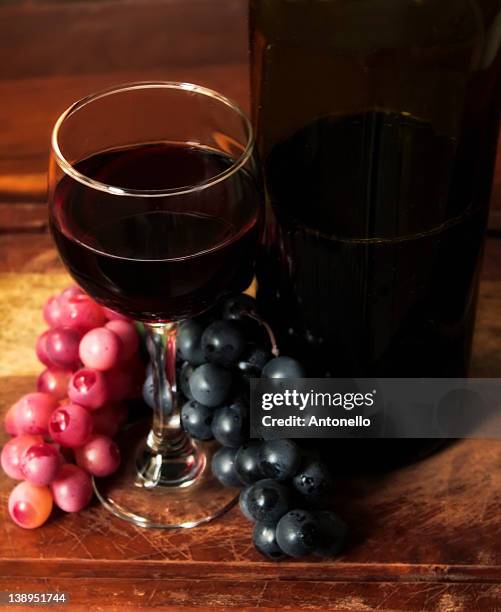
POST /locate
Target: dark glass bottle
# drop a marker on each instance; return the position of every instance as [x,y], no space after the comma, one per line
[377,122]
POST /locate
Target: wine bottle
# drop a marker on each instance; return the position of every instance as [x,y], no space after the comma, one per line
[377,122]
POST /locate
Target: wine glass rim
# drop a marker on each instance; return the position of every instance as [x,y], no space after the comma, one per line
[68,167]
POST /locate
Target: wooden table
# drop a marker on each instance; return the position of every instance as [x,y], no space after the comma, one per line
[425,537]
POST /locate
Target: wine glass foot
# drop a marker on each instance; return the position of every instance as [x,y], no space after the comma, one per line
[178,467]
[140,501]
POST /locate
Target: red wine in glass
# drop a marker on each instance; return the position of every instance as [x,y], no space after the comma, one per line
[155,201]
[158,258]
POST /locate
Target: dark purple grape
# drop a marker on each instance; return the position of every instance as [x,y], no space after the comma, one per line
[279,459]
[188,341]
[247,463]
[196,419]
[298,533]
[333,532]
[266,501]
[239,306]
[265,540]
[148,394]
[148,391]
[243,502]
[230,424]
[283,367]
[223,467]
[253,360]
[210,384]
[222,343]
[184,379]
[313,480]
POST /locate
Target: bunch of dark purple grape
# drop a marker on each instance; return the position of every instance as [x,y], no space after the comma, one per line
[283,485]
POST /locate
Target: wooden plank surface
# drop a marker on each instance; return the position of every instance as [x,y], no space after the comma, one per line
[150,594]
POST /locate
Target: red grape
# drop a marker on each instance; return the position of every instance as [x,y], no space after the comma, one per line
[69,292]
[62,347]
[81,312]
[70,425]
[33,412]
[12,454]
[11,426]
[111,315]
[100,348]
[52,311]
[30,505]
[100,456]
[40,463]
[88,388]
[127,333]
[54,382]
[72,488]
[109,420]
[41,349]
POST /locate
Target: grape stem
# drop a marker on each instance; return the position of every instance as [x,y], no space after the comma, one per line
[273,341]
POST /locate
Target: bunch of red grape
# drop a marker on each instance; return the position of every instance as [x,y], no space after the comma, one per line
[63,433]
[284,486]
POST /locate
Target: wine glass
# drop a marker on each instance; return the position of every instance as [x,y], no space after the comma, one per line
[155,204]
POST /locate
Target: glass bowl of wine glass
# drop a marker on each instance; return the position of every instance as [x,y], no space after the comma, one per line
[155,206]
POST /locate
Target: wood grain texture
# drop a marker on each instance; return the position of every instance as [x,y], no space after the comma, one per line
[23,218]
[21,326]
[174,594]
[85,36]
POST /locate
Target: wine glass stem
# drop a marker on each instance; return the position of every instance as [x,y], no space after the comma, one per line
[170,457]
[161,343]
